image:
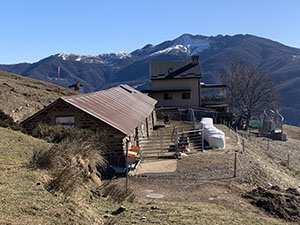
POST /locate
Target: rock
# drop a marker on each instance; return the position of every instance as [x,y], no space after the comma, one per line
[154,207]
[119,210]
[143,218]
[182,155]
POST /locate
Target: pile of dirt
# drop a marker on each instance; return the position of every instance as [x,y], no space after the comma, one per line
[284,204]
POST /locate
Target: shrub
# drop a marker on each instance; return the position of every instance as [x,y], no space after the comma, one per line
[40,158]
[71,162]
[7,121]
[57,133]
[76,156]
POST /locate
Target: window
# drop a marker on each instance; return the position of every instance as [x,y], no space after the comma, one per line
[168,96]
[65,121]
[186,95]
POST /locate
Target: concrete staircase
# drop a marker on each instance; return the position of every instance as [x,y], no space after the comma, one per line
[161,142]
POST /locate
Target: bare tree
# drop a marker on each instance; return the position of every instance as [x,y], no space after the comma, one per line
[250,90]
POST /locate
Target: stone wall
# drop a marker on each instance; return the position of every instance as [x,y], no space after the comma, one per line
[116,139]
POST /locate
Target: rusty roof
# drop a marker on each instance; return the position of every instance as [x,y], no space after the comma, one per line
[122,107]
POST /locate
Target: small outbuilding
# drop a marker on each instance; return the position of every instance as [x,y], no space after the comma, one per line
[125,113]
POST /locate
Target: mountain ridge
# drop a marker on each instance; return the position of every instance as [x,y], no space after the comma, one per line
[215,53]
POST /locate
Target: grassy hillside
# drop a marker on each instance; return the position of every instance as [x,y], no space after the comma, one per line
[24,199]
[20,96]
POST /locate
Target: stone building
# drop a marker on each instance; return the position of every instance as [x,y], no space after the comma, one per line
[125,113]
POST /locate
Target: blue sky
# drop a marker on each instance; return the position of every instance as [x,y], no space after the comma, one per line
[34,29]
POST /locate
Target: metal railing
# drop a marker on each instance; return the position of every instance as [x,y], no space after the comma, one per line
[192,139]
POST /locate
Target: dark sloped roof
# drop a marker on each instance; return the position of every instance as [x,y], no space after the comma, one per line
[122,107]
[175,69]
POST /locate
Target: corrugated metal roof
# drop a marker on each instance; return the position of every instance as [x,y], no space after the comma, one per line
[122,107]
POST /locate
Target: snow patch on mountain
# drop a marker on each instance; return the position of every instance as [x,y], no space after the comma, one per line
[69,56]
[296,57]
[102,58]
[117,55]
[173,48]
[189,44]
[64,55]
[193,44]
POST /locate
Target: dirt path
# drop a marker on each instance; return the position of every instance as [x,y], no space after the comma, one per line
[160,166]
[204,176]
[209,176]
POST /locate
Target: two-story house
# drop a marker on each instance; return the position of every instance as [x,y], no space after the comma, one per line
[176,83]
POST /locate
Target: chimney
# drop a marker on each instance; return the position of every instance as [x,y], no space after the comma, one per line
[195,59]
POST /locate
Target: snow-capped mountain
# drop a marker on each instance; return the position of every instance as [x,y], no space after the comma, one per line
[102,58]
[215,52]
[186,44]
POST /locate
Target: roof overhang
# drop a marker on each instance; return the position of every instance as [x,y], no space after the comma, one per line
[170,90]
[213,85]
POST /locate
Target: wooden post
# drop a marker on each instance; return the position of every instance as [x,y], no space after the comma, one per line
[176,142]
[235,164]
[202,139]
[126,164]
[243,145]
[161,140]
[288,161]
[193,118]
[268,144]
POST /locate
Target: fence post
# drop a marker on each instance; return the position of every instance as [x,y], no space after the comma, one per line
[243,145]
[202,138]
[238,139]
[126,164]
[288,161]
[176,142]
[193,118]
[235,164]
[161,140]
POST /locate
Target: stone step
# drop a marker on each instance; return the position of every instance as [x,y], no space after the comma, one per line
[154,139]
[156,155]
[158,150]
[162,140]
[145,145]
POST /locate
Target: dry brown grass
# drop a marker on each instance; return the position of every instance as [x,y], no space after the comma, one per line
[21,96]
[117,193]
[23,198]
[71,163]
